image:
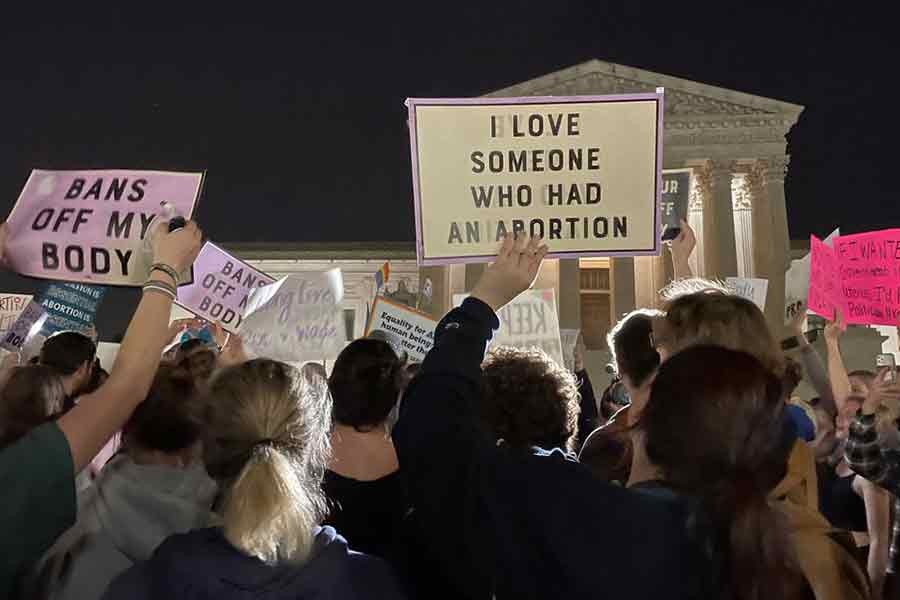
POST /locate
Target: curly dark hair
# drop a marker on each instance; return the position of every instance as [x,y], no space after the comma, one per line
[527,399]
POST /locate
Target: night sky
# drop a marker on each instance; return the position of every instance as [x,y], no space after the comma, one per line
[298,118]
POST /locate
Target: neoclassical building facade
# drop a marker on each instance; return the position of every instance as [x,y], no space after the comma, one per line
[733,143]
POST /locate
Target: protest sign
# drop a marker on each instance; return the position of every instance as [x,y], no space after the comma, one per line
[296,319]
[11,306]
[824,286]
[796,282]
[89,226]
[529,321]
[569,339]
[107,353]
[70,306]
[407,330]
[751,288]
[869,277]
[676,191]
[26,326]
[221,286]
[583,172]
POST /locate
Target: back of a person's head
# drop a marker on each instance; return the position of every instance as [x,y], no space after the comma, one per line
[726,320]
[528,399]
[716,428]
[171,418]
[67,351]
[267,443]
[631,347]
[200,364]
[365,383]
[32,395]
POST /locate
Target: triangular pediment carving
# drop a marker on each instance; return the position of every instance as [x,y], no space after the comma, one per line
[684,98]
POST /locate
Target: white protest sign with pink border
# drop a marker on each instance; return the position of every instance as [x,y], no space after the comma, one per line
[89,226]
[221,286]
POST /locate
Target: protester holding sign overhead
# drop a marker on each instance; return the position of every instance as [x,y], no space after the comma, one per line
[520,524]
[38,471]
[90,226]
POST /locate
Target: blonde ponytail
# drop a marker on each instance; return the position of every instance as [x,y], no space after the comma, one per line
[267,512]
[268,446]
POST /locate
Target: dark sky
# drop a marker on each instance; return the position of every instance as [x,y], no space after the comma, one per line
[298,115]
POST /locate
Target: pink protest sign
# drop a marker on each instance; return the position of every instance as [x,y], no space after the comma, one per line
[89,226]
[220,287]
[824,284]
[869,275]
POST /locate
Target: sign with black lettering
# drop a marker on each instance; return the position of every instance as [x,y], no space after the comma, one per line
[221,286]
[407,330]
[70,306]
[676,193]
[89,226]
[582,172]
[529,321]
[11,306]
[26,327]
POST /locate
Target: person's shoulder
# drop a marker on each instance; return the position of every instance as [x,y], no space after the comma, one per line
[46,445]
[374,575]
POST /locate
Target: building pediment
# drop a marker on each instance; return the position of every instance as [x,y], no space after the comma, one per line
[685,99]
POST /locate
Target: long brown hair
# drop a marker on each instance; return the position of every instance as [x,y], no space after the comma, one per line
[31,396]
[716,428]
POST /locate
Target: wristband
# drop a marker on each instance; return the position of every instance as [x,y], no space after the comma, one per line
[160,288]
[164,268]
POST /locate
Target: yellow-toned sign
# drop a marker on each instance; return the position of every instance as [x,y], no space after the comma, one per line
[582,172]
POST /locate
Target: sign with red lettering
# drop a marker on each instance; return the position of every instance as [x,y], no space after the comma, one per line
[90,226]
[221,286]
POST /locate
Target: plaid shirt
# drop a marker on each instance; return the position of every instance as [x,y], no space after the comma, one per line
[879,465]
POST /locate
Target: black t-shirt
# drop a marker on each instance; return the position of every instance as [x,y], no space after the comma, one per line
[838,502]
[368,514]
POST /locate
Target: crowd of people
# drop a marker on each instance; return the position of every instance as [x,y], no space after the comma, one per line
[193,471]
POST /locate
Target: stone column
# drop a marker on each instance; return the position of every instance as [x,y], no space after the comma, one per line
[695,220]
[569,294]
[773,170]
[623,285]
[718,220]
[473,274]
[762,222]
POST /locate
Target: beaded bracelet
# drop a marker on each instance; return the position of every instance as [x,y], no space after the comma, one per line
[156,286]
[164,268]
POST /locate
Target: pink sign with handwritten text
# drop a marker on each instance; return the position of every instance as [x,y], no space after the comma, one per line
[861,277]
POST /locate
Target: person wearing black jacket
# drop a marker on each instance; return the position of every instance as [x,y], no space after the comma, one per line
[520,524]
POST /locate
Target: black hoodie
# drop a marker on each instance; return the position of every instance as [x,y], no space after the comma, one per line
[202,564]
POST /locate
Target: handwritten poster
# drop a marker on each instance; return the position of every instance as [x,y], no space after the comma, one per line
[298,318]
[529,321]
[89,226]
[407,330]
[824,281]
[869,275]
[751,288]
[11,306]
[221,287]
[582,172]
[796,281]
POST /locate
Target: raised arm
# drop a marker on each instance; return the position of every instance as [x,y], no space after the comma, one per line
[681,249]
[812,365]
[862,451]
[837,372]
[446,458]
[99,415]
